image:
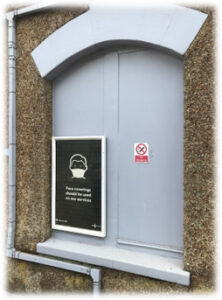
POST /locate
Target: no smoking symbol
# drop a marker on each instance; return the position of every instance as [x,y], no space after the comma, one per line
[141,149]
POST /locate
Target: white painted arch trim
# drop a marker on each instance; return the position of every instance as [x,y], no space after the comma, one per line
[170,27]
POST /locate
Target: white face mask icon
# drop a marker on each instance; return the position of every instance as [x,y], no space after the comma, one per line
[78,166]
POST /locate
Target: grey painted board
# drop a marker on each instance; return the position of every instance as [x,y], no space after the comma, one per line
[112,94]
[78,100]
[111,130]
[151,110]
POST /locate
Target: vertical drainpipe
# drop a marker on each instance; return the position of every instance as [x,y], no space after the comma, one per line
[96,277]
[12,131]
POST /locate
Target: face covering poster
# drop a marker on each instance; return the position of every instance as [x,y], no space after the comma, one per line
[78,185]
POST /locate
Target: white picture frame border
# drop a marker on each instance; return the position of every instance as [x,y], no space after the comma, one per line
[55,226]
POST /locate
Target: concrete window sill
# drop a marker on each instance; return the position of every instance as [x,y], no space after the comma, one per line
[154,266]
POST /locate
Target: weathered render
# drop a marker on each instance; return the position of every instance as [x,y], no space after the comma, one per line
[34,167]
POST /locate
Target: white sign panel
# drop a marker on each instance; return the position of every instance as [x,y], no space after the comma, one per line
[141,152]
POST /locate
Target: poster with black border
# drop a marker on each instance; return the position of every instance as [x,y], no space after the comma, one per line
[79,184]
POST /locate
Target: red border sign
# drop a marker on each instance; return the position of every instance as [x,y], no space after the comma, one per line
[141,149]
[141,153]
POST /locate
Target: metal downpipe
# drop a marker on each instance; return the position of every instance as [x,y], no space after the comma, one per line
[12,130]
[11,251]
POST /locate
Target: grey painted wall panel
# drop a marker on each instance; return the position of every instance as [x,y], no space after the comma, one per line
[151,110]
[111,130]
[78,100]
[130,96]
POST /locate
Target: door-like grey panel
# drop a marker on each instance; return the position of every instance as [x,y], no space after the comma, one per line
[151,110]
[85,102]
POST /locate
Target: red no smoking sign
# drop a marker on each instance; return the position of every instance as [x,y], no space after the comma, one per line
[141,152]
